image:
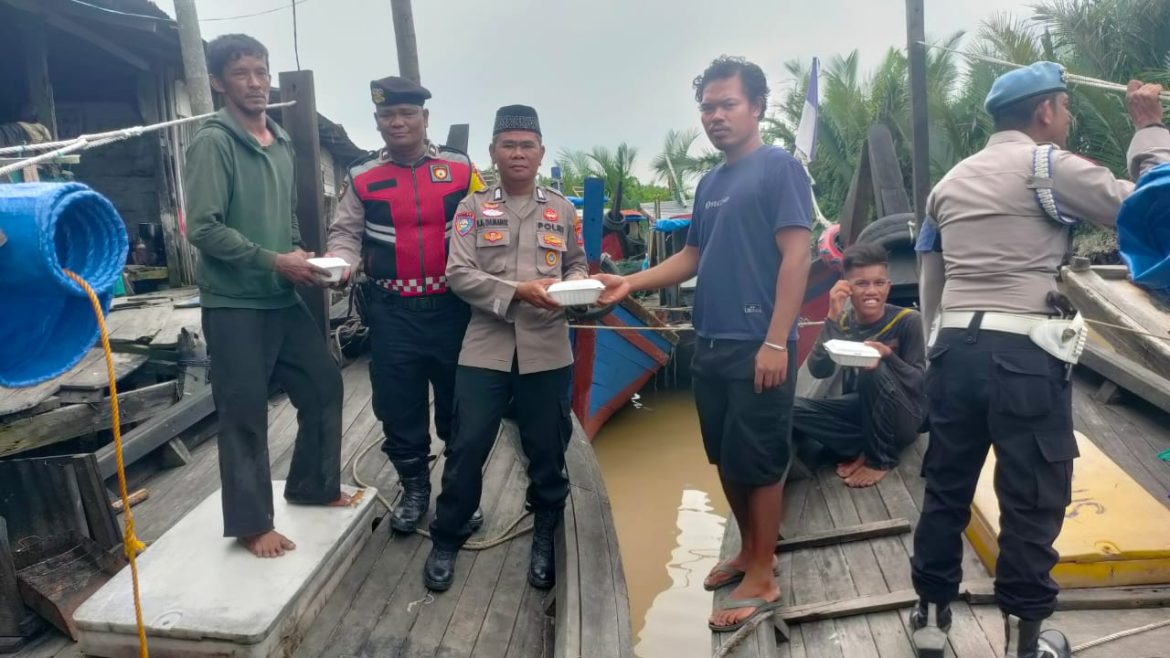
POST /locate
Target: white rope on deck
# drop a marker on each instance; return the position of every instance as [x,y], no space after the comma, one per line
[1083,80]
[85,142]
[508,535]
[1122,634]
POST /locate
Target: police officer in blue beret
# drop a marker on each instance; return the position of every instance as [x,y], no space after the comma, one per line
[997,229]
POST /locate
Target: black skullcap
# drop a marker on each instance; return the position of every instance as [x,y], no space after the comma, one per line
[516,117]
[397,91]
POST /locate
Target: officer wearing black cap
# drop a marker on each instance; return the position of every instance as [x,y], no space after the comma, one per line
[997,229]
[509,244]
[393,221]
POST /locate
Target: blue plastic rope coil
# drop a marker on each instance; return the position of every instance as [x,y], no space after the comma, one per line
[1143,232]
[46,321]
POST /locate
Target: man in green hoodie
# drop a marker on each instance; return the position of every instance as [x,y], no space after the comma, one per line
[240,215]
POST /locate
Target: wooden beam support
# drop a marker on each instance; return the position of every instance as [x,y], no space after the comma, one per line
[12,610]
[157,431]
[79,419]
[980,592]
[1128,374]
[846,534]
[40,84]
[300,121]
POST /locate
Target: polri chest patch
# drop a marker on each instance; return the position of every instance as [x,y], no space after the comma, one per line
[440,173]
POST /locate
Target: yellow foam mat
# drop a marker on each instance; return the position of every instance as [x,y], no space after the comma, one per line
[1115,533]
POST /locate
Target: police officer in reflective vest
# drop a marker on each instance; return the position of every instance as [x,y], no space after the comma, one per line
[996,231]
[394,218]
[510,243]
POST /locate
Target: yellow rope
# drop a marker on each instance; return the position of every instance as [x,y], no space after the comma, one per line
[130,541]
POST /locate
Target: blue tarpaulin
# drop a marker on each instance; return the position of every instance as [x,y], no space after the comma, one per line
[47,322]
[1143,232]
[671,224]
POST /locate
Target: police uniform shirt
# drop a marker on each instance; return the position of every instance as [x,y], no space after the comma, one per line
[1001,251]
[498,242]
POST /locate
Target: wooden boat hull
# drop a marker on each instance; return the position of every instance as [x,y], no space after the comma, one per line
[1135,324]
[611,366]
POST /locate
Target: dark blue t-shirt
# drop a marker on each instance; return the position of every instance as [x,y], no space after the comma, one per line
[739,208]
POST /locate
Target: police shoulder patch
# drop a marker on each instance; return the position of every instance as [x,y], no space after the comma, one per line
[464,222]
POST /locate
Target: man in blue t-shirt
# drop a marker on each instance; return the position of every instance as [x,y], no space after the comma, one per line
[749,245]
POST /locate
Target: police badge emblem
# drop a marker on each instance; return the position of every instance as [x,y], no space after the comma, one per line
[440,173]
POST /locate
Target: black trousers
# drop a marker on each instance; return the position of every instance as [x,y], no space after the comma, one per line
[877,421]
[413,341]
[250,350]
[546,425]
[747,435]
[996,389]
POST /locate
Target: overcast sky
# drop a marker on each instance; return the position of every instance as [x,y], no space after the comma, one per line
[599,72]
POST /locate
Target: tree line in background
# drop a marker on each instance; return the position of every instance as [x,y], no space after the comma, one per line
[1113,40]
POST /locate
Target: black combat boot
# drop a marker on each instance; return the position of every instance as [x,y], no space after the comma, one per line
[416,495]
[931,623]
[542,571]
[439,570]
[1026,640]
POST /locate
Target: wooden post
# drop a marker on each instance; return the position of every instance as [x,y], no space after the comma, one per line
[916,49]
[194,60]
[40,85]
[300,121]
[11,608]
[405,39]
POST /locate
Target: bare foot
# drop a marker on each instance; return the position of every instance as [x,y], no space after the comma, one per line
[865,477]
[269,544]
[845,469]
[346,500]
[767,590]
[729,571]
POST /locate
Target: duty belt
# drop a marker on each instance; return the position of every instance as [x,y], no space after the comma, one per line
[427,286]
[1063,339]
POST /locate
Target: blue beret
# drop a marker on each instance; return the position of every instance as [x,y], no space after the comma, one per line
[1020,84]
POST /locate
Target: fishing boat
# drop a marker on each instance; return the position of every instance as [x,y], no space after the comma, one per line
[618,350]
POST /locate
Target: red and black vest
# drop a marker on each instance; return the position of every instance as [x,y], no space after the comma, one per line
[408,213]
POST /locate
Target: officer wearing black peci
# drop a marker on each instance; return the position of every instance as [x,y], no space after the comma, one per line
[509,244]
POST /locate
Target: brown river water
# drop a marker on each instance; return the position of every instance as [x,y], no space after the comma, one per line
[670,513]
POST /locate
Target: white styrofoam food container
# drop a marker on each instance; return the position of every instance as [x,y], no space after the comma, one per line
[852,353]
[581,292]
[333,264]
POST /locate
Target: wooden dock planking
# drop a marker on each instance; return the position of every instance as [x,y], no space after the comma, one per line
[89,380]
[1131,434]
[490,612]
[763,641]
[16,400]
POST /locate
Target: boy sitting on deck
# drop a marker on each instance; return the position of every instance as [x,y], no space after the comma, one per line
[881,408]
